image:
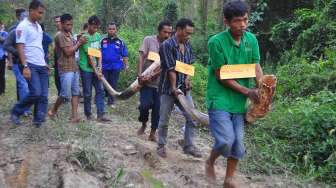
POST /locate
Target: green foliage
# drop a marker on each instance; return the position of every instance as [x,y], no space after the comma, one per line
[155,183]
[7,15]
[284,34]
[257,14]
[300,136]
[133,39]
[170,11]
[114,182]
[309,34]
[300,78]
[199,82]
[331,11]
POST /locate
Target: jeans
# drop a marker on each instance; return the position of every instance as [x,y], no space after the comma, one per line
[2,75]
[228,132]
[149,99]
[21,83]
[112,77]
[69,84]
[89,79]
[166,107]
[37,96]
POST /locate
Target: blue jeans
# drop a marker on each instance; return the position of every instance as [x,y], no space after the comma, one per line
[112,77]
[228,132]
[69,85]
[37,96]
[21,83]
[166,107]
[149,99]
[89,79]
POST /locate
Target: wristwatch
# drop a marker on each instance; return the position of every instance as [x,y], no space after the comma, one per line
[25,66]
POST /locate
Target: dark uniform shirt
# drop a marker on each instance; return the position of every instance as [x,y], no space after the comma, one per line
[113,51]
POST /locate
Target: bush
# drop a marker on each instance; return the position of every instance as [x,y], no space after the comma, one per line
[133,39]
[284,34]
[300,137]
[300,78]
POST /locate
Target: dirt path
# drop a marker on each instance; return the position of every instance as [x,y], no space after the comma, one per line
[93,155]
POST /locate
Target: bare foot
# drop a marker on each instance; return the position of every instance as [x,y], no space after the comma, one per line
[51,114]
[142,129]
[152,137]
[230,183]
[210,171]
[75,120]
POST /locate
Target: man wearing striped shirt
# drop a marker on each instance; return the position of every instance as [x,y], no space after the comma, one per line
[172,83]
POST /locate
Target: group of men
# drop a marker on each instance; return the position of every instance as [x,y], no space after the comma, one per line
[226,98]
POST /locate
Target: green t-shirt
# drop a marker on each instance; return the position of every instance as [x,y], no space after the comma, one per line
[223,50]
[93,41]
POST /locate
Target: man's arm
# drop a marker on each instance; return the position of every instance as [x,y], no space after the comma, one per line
[9,44]
[141,63]
[20,50]
[71,50]
[125,61]
[234,85]
[26,72]
[172,79]
[124,55]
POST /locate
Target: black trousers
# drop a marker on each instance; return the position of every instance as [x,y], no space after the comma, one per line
[2,76]
[57,81]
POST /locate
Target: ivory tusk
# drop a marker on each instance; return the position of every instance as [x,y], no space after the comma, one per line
[197,116]
[133,88]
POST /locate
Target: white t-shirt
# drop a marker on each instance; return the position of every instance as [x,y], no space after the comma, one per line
[31,34]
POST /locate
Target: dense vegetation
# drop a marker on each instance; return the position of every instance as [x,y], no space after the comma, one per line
[298,43]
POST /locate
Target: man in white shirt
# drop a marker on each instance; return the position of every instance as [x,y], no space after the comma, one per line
[29,45]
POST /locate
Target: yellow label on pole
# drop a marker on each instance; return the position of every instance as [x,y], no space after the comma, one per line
[185,68]
[94,52]
[238,71]
[153,56]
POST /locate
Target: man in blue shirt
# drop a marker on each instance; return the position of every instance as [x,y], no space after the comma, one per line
[46,41]
[114,58]
[3,36]
[22,89]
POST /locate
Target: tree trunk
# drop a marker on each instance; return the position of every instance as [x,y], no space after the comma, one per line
[204,16]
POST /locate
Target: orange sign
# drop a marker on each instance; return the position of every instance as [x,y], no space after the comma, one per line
[238,71]
[153,56]
[94,52]
[185,68]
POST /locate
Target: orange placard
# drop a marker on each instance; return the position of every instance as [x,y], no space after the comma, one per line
[94,52]
[185,68]
[153,56]
[238,71]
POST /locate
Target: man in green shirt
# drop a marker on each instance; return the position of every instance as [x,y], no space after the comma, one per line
[226,99]
[89,77]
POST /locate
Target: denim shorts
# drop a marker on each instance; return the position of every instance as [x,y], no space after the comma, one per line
[228,132]
[69,84]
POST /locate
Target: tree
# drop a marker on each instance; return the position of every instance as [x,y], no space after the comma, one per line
[170,12]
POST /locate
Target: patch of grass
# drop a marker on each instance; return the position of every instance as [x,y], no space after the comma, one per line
[115,181]
[155,183]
